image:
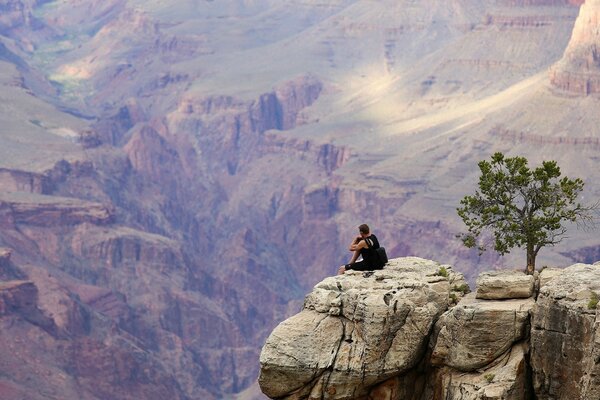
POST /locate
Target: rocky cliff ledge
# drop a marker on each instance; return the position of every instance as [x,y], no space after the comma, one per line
[414,332]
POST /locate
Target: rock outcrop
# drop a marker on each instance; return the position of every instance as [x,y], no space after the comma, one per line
[39,210]
[357,331]
[505,379]
[578,71]
[385,335]
[20,298]
[565,336]
[476,332]
[212,148]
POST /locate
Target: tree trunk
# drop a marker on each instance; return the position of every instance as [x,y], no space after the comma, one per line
[530,260]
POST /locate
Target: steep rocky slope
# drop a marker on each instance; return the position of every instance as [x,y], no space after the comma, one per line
[385,336]
[579,69]
[173,166]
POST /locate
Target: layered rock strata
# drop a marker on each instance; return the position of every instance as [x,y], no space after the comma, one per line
[385,336]
[39,210]
[578,71]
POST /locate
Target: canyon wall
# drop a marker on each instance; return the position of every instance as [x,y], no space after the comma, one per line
[578,71]
[162,185]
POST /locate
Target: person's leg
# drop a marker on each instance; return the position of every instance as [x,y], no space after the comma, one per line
[357,266]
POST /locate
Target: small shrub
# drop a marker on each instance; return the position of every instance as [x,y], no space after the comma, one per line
[593,303]
[464,288]
[453,298]
[442,272]
[489,377]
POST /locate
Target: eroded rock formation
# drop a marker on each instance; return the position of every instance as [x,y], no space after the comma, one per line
[579,70]
[357,331]
[385,335]
[168,219]
[565,336]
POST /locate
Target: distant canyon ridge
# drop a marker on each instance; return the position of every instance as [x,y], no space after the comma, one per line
[175,176]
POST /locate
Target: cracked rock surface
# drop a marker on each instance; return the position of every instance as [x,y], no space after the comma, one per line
[476,332]
[565,336]
[498,285]
[357,331]
[397,334]
[504,379]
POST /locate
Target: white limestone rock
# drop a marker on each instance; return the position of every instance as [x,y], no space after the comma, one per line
[497,285]
[476,332]
[505,379]
[548,274]
[565,336]
[356,331]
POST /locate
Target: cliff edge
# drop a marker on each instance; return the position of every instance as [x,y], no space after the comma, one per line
[414,332]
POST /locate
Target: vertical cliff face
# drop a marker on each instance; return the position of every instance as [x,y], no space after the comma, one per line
[564,340]
[578,71]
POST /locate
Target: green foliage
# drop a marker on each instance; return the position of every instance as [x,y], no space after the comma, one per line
[464,288]
[442,272]
[453,298]
[593,303]
[521,207]
[489,377]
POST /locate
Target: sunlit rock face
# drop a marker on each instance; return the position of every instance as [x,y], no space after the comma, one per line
[362,335]
[357,331]
[579,70]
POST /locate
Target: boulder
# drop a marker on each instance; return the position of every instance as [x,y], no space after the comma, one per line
[565,336]
[356,331]
[547,274]
[505,379]
[476,332]
[496,285]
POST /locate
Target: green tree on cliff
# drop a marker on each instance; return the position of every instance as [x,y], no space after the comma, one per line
[521,207]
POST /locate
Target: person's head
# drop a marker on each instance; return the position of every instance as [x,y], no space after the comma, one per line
[364,230]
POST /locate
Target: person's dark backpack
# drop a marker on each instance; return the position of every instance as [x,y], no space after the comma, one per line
[379,251]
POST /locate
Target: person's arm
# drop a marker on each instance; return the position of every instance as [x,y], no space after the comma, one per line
[356,249]
[357,244]
[354,257]
[354,243]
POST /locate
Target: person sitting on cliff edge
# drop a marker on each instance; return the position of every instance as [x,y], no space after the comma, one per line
[363,245]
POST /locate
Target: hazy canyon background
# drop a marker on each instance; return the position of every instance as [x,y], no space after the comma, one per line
[176,175]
